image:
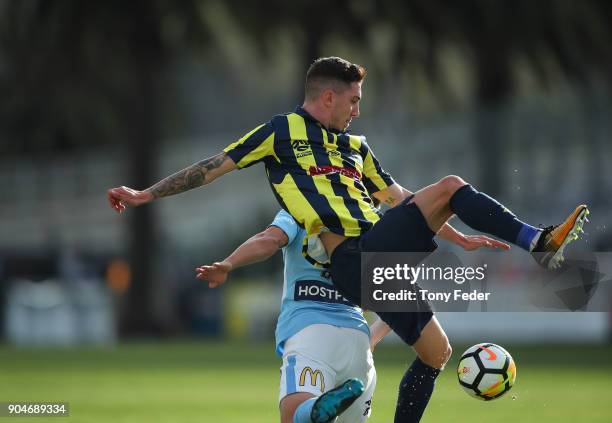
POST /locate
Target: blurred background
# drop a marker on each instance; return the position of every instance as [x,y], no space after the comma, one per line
[513,96]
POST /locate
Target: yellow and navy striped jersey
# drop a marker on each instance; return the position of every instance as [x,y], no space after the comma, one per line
[324,179]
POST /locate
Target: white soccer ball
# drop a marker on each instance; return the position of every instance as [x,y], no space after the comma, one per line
[486,371]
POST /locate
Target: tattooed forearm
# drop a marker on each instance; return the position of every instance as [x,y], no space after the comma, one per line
[194,176]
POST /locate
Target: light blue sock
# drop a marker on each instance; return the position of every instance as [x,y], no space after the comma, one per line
[302,413]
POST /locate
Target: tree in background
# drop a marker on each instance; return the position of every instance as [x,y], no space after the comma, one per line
[551,38]
[77,74]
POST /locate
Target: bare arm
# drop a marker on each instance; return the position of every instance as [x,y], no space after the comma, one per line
[470,242]
[258,248]
[196,175]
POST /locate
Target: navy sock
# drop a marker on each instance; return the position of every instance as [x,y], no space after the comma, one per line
[414,392]
[484,214]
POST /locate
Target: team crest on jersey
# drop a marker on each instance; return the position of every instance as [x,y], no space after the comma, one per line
[301,148]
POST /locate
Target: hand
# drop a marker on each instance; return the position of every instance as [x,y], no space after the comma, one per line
[215,274]
[121,197]
[474,242]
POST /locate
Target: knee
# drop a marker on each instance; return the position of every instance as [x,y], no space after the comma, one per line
[439,358]
[290,403]
[450,184]
[446,355]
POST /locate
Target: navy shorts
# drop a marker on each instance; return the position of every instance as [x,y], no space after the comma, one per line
[401,229]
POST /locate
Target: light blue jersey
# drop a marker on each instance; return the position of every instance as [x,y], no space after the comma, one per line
[309,297]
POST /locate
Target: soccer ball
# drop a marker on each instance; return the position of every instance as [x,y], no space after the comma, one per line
[486,371]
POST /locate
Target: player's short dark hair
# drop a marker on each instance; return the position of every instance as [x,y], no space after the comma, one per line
[332,72]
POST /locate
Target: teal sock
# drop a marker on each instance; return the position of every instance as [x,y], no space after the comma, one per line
[302,413]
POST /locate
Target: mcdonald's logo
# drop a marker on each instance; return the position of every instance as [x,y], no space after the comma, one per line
[314,375]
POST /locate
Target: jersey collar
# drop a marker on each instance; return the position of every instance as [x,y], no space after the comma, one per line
[302,112]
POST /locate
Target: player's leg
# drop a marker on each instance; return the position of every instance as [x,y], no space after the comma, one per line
[432,346]
[308,389]
[361,409]
[303,407]
[417,385]
[452,195]
[303,381]
[290,403]
[337,347]
[433,201]
[303,377]
[423,332]
[329,406]
[431,207]
[358,363]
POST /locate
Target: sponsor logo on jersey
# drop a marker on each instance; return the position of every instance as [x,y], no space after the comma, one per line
[317,291]
[301,148]
[330,170]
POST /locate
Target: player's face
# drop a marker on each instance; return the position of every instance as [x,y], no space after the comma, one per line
[345,107]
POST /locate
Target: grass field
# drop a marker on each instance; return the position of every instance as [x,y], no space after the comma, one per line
[223,382]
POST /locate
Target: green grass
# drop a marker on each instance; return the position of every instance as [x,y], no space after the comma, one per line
[226,383]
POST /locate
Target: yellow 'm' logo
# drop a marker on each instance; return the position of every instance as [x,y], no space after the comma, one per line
[314,375]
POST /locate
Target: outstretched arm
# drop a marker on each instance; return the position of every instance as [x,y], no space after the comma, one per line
[258,248]
[196,175]
[470,242]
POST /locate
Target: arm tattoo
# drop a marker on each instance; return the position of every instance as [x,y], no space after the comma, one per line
[390,200]
[188,178]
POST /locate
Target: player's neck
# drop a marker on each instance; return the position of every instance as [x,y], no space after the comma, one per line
[318,112]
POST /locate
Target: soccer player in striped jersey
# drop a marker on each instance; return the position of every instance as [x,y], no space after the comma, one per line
[323,339]
[330,180]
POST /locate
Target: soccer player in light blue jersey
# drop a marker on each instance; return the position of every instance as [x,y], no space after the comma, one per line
[323,339]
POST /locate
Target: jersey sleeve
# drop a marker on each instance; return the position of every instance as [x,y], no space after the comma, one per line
[287,224]
[252,148]
[375,178]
